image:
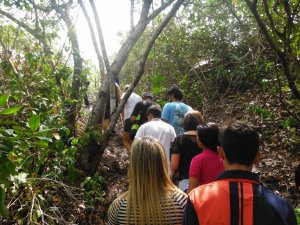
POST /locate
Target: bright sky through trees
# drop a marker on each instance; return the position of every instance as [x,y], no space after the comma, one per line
[115,18]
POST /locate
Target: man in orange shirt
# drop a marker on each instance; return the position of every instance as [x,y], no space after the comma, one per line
[237,197]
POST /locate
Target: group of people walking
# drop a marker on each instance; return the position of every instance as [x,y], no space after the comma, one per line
[214,182]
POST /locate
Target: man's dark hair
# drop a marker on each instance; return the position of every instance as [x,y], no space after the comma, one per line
[147,96]
[154,110]
[191,120]
[176,92]
[208,134]
[240,143]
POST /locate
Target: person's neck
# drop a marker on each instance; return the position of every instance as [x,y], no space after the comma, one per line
[155,118]
[237,167]
[191,132]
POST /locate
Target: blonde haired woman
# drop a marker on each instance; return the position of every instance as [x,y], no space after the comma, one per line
[152,198]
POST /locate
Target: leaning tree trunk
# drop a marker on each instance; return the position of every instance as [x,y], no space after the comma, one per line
[91,154]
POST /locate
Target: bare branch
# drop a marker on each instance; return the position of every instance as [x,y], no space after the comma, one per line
[100,36]
[99,57]
[160,9]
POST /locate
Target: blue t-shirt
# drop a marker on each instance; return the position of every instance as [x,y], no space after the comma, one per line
[173,113]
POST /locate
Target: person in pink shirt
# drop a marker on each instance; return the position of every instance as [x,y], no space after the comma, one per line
[206,166]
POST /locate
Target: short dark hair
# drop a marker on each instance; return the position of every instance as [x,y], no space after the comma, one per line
[192,119]
[240,143]
[176,92]
[208,134]
[147,95]
[154,110]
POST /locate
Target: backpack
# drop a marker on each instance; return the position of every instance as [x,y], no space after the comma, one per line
[135,126]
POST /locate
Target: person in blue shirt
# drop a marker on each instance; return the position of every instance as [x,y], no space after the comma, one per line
[174,111]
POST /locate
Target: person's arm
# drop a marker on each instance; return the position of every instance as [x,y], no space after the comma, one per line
[193,183]
[165,113]
[135,111]
[194,174]
[174,153]
[126,140]
[123,110]
[112,213]
[189,214]
[175,158]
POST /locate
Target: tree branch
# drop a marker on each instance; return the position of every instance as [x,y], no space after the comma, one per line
[160,9]
[93,36]
[100,36]
[31,31]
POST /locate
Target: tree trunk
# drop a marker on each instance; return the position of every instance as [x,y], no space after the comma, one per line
[71,106]
[91,155]
[283,55]
[131,15]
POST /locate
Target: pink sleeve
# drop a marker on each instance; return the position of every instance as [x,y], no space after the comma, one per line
[195,167]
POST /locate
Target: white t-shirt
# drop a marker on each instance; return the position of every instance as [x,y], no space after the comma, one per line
[129,106]
[160,130]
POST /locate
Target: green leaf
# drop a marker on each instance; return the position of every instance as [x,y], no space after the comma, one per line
[45,139]
[4,181]
[72,173]
[43,144]
[86,180]
[3,210]
[34,122]
[6,167]
[297,212]
[9,131]
[67,131]
[11,110]
[3,99]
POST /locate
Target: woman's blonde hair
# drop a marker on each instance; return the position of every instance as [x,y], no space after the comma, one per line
[149,182]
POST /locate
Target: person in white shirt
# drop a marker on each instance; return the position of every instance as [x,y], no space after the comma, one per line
[127,110]
[158,129]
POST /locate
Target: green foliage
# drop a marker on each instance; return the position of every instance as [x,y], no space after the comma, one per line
[297,212]
[262,112]
[11,110]
[34,122]
[91,134]
[289,124]
[3,210]
[93,186]
[20,4]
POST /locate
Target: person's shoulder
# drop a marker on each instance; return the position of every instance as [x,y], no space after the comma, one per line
[135,95]
[275,203]
[273,198]
[187,106]
[144,125]
[168,104]
[179,196]
[118,202]
[214,190]
[198,157]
